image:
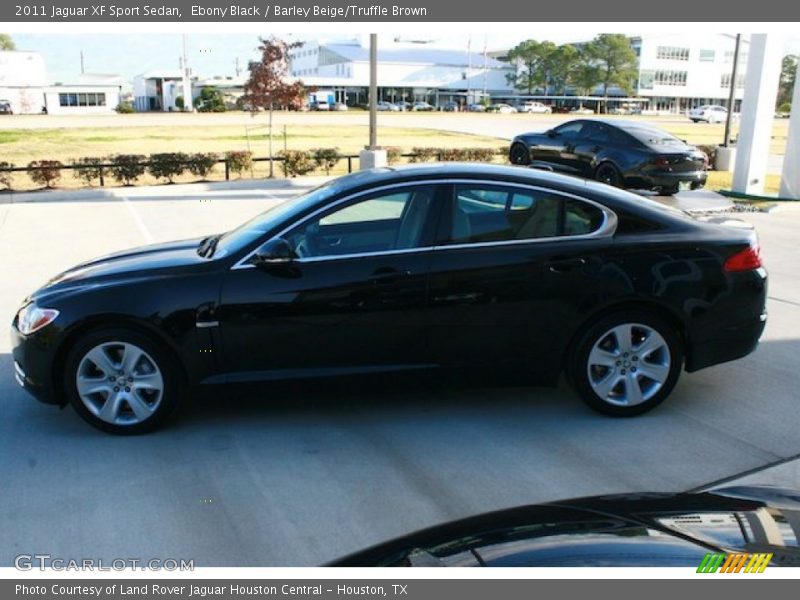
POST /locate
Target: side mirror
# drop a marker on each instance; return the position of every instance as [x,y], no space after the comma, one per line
[275,252]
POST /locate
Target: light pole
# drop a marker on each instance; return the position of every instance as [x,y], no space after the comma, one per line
[372,156]
[732,93]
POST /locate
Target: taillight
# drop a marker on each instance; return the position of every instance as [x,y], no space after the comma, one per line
[748,259]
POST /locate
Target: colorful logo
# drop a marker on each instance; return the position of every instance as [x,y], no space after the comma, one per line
[738,562]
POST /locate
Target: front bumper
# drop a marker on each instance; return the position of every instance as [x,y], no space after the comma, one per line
[32,366]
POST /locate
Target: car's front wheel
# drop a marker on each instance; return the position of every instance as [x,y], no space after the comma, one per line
[519,155]
[626,363]
[121,381]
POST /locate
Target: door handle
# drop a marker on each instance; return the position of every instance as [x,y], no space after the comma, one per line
[565,264]
[387,275]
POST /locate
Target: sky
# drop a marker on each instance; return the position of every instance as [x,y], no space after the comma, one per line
[211,55]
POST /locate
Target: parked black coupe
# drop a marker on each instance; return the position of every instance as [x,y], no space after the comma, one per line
[399,269]
[759,524]
[625,154]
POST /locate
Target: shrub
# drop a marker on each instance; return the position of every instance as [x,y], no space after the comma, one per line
[45,172]
[786,107]
[239,160]
[201,164]
[326,158]
[393,154]
[125,108]
[210,100]
[167,164]
[179,103]
[5,176]
[424,154]
[453,154]
[296,162]
[87,169]
[127,167]
[481,154]
[711,152]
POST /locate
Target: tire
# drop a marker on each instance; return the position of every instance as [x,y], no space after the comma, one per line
[669,190]
[122,382]
[696,185]
[519,155]
[609,174]
[603,367]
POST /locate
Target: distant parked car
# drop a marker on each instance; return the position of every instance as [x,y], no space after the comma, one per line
[535,107]
[321,105]
[450,107]
[422,107]
[582,110]
[476,108]
[5,108]
[502,108]
[708,113]
[402,105]
[340,106]
[386,106]
[619,153]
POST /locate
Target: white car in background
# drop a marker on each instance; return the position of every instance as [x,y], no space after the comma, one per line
[535,107]
[709,113]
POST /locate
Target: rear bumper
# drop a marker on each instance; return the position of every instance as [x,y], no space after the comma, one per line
[666,179]
[734,342]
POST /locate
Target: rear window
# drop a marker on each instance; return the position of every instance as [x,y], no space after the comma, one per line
[655,137]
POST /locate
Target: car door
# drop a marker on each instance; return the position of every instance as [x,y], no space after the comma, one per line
[557,146]
[351,301]
[593,140]
[512,268]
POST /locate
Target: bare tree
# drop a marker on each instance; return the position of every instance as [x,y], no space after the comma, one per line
[268,88]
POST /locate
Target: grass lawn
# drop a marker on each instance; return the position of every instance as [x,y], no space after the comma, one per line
[721,180]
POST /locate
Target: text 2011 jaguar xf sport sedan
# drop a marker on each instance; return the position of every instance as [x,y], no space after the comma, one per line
[450,266]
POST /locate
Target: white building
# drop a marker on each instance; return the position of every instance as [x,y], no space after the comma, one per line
[157,90]
[22,79]
[410,72]
[681,71]
[89,94]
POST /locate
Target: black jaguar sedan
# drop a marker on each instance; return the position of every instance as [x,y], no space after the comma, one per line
[622,153]
[457,266]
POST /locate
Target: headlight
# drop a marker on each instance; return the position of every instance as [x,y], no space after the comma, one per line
[31,318]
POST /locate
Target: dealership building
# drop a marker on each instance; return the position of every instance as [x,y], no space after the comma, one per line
[407,71]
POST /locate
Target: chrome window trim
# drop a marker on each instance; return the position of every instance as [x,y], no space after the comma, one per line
[607,228]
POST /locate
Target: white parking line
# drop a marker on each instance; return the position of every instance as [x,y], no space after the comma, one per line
[148,237]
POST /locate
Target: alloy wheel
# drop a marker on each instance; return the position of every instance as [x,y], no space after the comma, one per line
[119,383]
[628,364]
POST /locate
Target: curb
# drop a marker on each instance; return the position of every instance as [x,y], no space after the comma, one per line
[143,192]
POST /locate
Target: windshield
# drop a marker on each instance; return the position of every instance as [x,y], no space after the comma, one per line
[248,232]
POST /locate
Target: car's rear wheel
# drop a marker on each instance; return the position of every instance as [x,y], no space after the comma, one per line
[608,173]
[122,382]
[626,363]
[519,155]
[670,190]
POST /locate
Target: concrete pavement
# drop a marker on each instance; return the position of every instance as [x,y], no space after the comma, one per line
[299,474]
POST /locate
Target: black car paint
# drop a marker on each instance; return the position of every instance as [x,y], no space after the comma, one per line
[608,142]
[595,531]
[366,314]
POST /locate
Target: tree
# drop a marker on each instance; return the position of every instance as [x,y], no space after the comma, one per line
[585,76]
[211,100]
[532,55]
[612,55]
[267,87]
[560,65]
[787,80]
[6,43]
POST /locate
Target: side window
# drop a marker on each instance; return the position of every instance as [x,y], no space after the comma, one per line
[570,129]
[392,220]
[483,213]
[599,134]
[581,218]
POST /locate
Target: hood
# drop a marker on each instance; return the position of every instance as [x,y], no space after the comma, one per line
[132,262]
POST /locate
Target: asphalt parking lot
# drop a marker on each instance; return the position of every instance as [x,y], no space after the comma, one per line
[296,475]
